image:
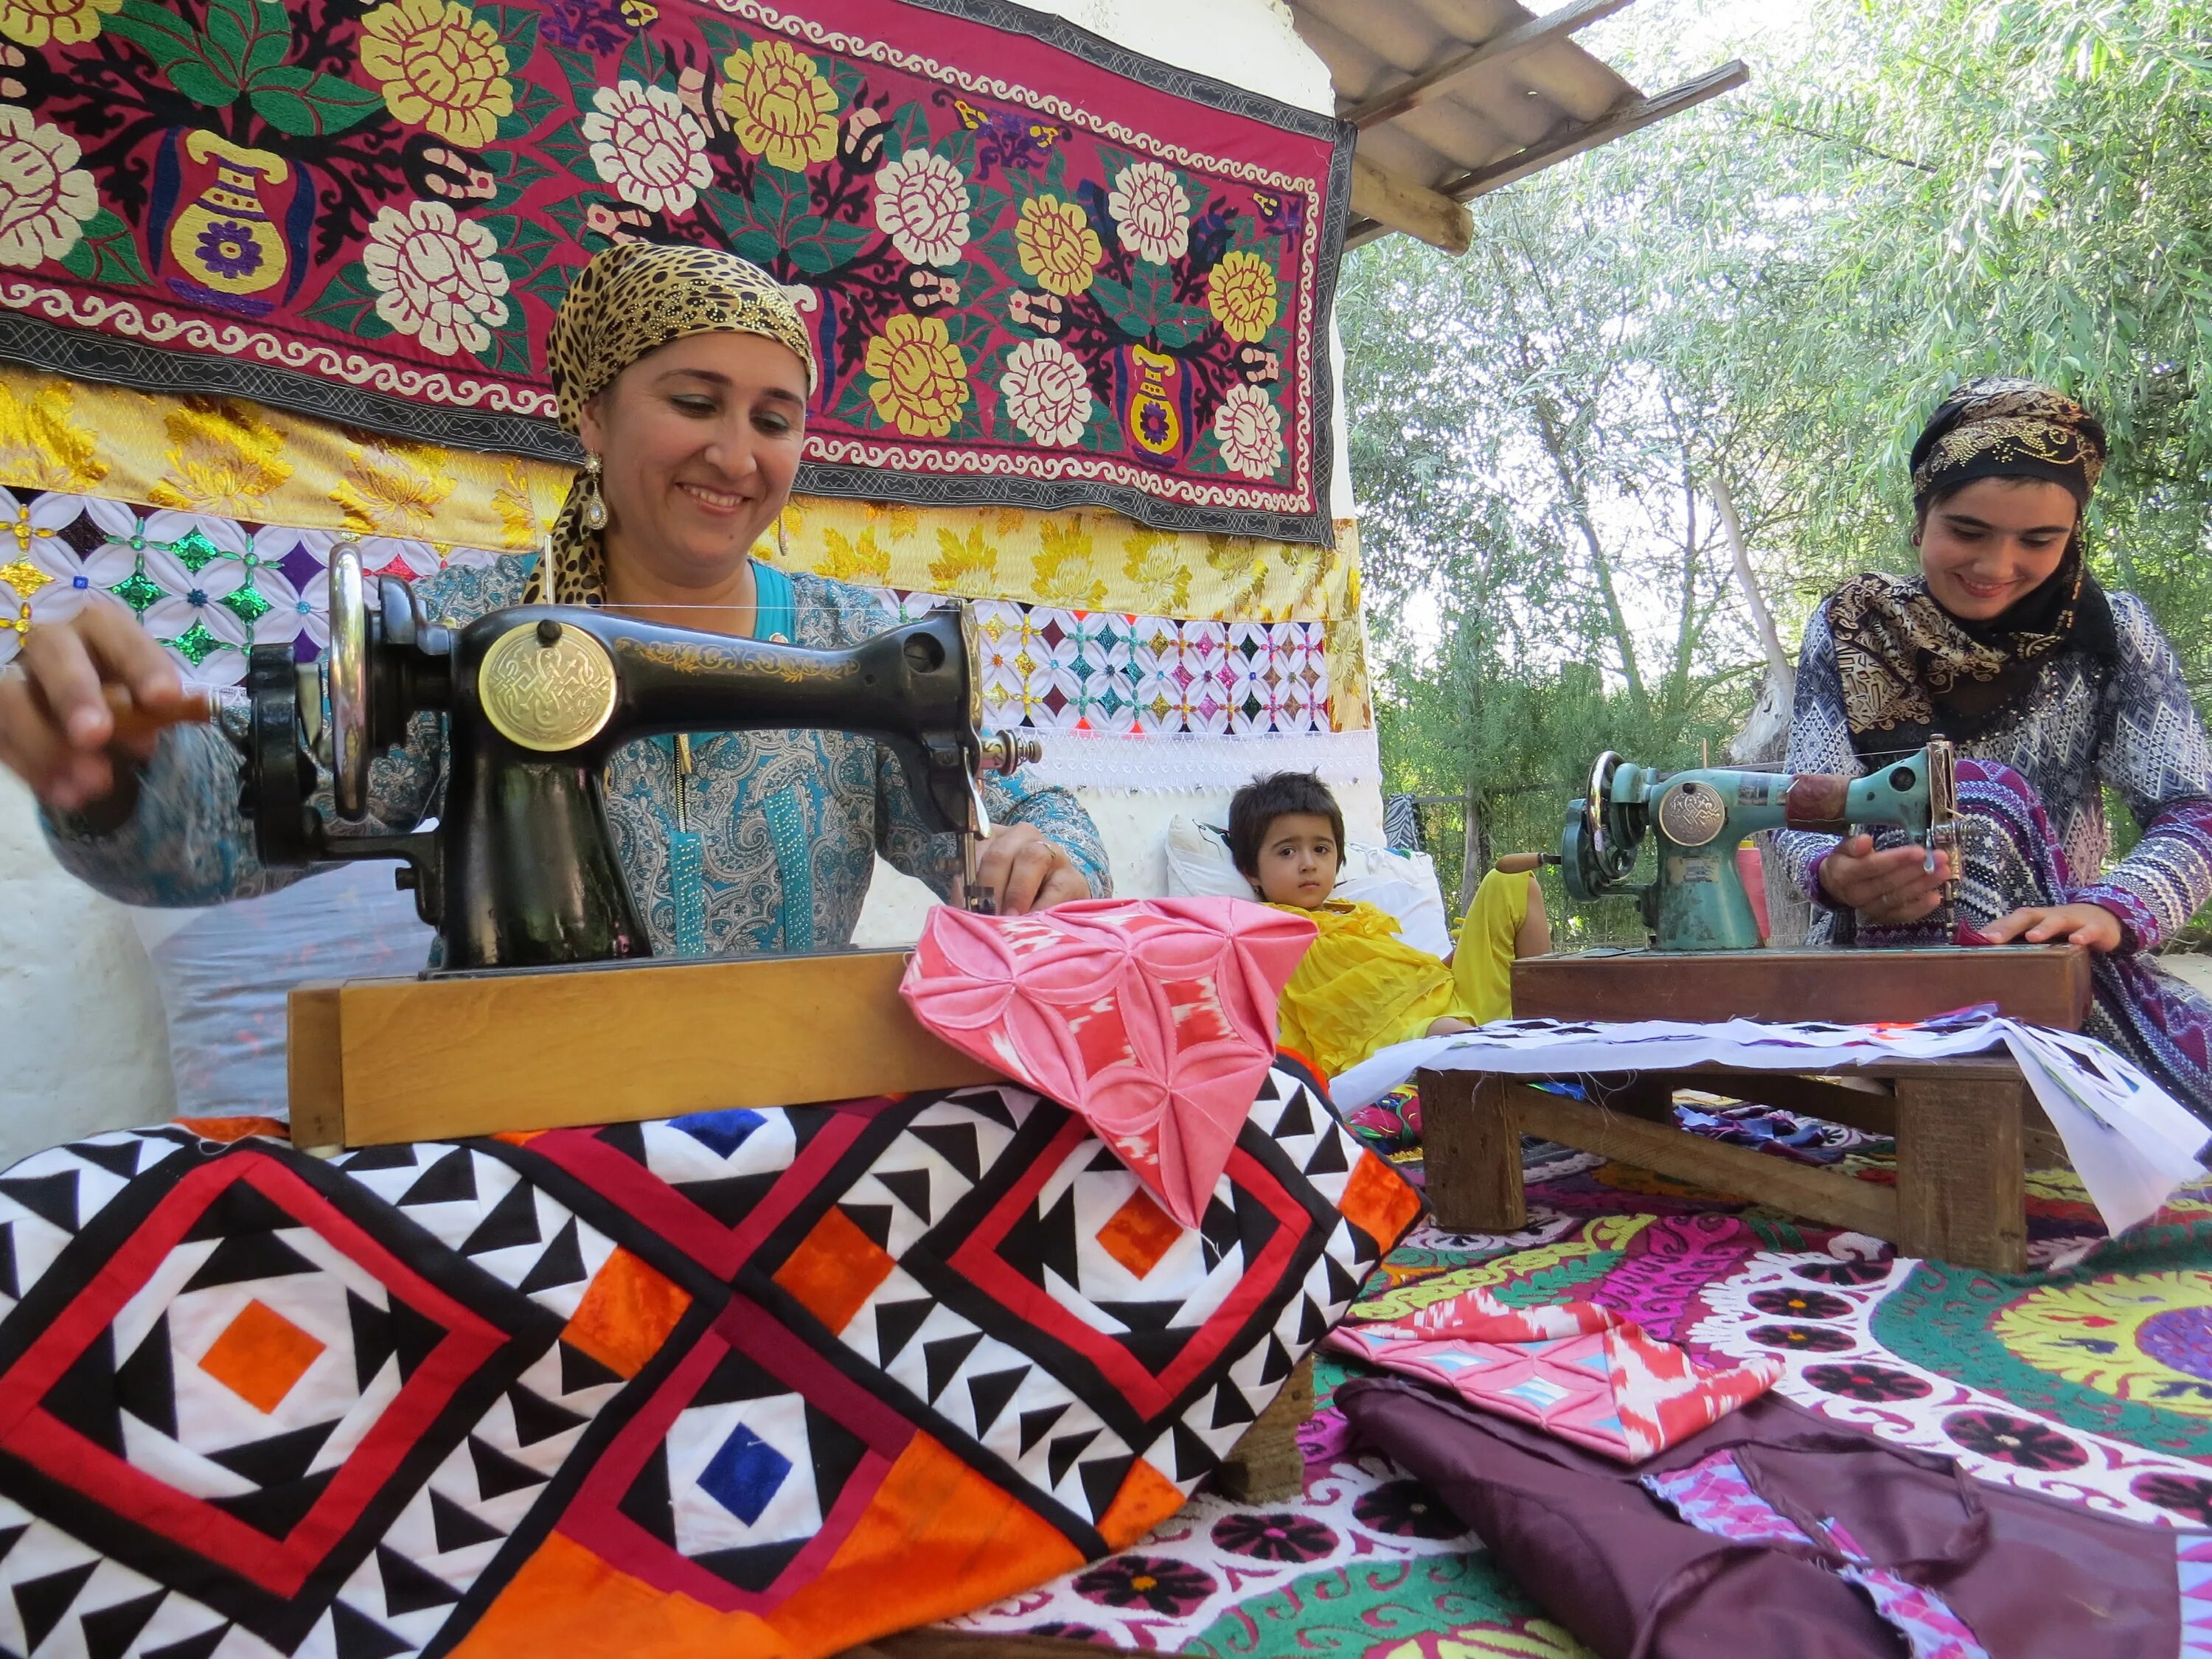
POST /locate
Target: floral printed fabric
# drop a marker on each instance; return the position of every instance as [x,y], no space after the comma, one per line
[1037,270]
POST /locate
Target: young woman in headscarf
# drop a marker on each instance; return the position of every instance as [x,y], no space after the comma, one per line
[2054,690]
[686,372]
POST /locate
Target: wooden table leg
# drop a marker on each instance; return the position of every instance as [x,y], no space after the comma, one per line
[1266,1466]
[1471,1147]
[1961,1191]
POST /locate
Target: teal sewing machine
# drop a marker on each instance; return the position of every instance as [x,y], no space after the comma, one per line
[1696,900]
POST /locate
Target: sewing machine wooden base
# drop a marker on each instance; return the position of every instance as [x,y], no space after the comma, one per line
[374,1061]
[2043,985]
[391,1059]
[1967,1131]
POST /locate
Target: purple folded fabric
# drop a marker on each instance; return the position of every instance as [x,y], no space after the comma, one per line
[1631,1578]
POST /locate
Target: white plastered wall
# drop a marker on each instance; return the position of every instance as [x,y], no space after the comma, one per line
[85,1044]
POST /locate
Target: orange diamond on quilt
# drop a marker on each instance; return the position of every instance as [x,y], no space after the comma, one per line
[1140,1233]
[261,1356]
[834,1270]
[1376,1199]
[626,1313]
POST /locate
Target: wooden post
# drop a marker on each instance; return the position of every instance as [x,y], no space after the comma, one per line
[314,1068]
[1266,1466]
[1961,1191]
[1472,1135]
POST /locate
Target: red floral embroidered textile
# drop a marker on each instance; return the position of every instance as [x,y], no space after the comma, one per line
[1578,1370]
[1040,270]
[1153,1019]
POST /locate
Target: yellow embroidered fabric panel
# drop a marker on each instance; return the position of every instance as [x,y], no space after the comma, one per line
[241,460]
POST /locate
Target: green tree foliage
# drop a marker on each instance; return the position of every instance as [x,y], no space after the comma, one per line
[1757,304]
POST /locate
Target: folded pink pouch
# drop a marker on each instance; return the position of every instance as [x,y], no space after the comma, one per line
[1577,1370]
[1154,1019]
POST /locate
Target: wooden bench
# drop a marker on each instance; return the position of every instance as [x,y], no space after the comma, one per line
[1966,1131]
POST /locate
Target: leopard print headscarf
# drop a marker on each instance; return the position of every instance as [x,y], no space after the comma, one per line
[632,299]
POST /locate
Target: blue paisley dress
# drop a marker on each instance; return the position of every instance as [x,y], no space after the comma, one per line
[780,829]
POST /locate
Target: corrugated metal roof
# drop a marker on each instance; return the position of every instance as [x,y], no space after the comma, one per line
[1454,98]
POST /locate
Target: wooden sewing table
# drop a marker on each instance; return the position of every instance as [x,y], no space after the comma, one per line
[1966,1129]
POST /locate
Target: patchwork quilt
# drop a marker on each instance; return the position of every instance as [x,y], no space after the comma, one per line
[744,1382]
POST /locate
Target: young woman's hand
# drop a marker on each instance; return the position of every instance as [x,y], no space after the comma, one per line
[57,730]
[2075,923]
[1893,889]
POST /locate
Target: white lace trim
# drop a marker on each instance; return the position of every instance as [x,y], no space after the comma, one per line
[1187,761]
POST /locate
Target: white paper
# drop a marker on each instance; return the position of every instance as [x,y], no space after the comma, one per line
[2132,1143]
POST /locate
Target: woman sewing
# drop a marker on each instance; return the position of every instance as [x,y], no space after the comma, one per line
[2054,690]
[686,374]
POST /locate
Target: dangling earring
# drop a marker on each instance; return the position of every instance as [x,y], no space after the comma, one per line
[782,547]
[595,504]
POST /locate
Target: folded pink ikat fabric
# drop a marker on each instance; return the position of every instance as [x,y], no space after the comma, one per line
[1153,1019]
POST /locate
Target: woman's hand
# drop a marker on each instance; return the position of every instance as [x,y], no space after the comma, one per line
[56,731]
[1893,889]
[1028,871]
[2076,924]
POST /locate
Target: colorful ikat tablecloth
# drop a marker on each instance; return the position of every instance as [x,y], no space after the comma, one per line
[1040,270]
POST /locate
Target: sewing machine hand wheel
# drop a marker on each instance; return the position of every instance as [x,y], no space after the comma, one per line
[348,684]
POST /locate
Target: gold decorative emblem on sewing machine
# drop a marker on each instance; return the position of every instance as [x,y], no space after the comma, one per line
[546,686]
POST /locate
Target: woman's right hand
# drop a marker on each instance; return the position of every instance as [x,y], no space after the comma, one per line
[57,731]
[1893,889]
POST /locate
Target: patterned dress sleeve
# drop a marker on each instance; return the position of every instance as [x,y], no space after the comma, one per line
[188,843]
[1820,741]
[2155,757]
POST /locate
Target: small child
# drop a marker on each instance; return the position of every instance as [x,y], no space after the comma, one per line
[1360,988]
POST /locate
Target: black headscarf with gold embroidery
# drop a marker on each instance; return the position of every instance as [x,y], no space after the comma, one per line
[1910,668]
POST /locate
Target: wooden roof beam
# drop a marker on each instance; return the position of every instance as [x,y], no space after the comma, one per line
[1501,48]
[1399,204]
[1629,118]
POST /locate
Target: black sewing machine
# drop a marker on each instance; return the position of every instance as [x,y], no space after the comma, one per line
[520,871]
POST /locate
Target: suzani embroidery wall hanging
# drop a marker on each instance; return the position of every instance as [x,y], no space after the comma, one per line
[1041,271]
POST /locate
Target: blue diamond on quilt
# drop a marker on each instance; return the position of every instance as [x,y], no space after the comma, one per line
[743,1476]
[746,1474]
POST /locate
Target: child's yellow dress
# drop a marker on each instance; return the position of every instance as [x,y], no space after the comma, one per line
[1360,988]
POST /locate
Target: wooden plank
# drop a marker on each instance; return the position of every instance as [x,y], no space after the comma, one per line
[2043,985]
[1818,1195]
[1471,1137]
[1871,1106]
[1266,1466]
[1630,118]
[314,1076]
[1401,204]
[425,1058]
[1961,1192]
[1499,50]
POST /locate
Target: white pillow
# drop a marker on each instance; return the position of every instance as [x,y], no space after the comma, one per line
[1404,884]
[224,973]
